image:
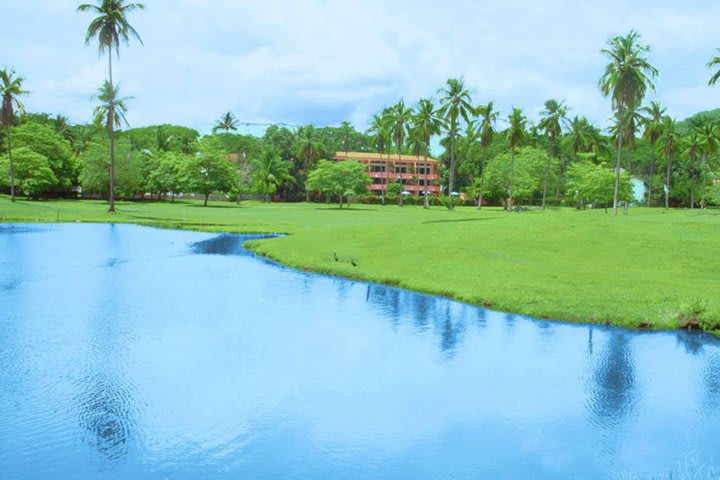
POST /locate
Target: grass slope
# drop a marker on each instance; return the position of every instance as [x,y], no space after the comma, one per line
[648,270]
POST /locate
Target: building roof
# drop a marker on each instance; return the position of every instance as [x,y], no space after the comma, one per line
[382,157]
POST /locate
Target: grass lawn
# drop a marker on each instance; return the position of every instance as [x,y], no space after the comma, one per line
[648,270]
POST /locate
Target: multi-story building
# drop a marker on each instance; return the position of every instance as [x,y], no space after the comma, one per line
[409,170]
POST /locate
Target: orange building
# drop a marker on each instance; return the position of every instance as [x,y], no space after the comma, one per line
[410,171]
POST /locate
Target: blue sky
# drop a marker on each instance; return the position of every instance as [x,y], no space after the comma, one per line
[322,62]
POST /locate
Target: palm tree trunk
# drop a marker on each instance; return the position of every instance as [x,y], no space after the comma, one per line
[545,181]
[512,179]
[10,158]
[692,183]
[652,173]
[482,177]
[308,154]
[452,170]
[626,205]
[617,173]
[667,181]
[426,203]
[111,123]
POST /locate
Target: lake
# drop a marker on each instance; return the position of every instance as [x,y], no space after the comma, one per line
[129,352]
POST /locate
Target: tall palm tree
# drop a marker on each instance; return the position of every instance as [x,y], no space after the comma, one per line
[110,113]
[515,135]
[400,117]
[709,134]
[308,147]
[693,148]
[227,122]
[552,118]
[346,132]
[380,132]
[10,90]
[454,106]
[669,139]
[426,123]
[626,80]
[714,62]
[111,27]
[488,117]
[653,127]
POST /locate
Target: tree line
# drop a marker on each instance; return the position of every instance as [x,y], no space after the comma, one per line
[486,158]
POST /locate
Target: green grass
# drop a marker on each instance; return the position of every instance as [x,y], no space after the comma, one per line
[648,270]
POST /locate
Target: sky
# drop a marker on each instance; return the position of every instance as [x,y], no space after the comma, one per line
[322,62]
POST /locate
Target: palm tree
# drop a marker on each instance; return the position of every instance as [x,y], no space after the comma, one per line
[380,132]
[346,132]
[488,117]
[426,123]
[669,140]
[714,62]
[307,148]
[652,123]
[10,90]
[400,117]
[269,169]
[515,135]
[626,80]
[553,116]
[111,27]
[110,113]
[227,122]
[693,147]
[708,134]
[455,104]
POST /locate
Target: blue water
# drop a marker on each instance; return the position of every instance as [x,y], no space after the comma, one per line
[130,352]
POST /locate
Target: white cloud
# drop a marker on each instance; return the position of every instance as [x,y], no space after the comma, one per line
[323,61]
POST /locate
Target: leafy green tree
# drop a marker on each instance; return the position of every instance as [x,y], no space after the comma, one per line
[210,170]
[515,135]
[488,118]
[10,89]
[95,171]
[111,27]
[163,138]
[454,106]
[166,176]
[270,170]
[227,122]
[595,183]
[669,139]
[43,139]
[342,179]
[380,132]
[714,63]
[524,168]
[33,174]
[652,123]
[426,123]
[626,80]
[554,116]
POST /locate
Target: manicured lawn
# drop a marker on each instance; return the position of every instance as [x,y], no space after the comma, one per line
[648,268]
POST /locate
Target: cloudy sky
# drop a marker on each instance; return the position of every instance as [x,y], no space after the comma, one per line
[321,62]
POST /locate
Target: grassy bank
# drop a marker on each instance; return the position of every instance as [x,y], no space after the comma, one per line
[648,270]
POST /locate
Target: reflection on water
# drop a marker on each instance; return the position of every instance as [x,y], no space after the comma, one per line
[612,390]
[220,365]
[105,412]
[225,244]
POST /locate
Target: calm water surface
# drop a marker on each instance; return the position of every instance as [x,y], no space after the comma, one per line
[130,352]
